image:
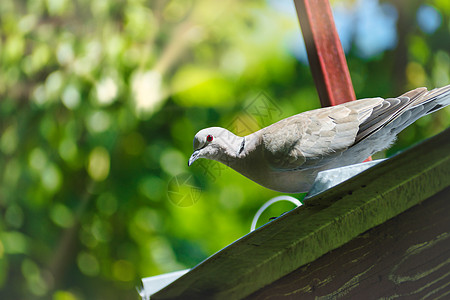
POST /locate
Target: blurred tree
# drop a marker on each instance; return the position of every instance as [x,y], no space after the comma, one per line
[100,101]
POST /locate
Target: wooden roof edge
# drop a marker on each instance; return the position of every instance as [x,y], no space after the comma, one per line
[324,223]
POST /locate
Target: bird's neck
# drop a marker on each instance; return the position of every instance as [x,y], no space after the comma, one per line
[232,149]
[238,150]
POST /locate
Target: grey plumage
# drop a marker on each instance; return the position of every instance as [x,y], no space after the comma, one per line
[287,155]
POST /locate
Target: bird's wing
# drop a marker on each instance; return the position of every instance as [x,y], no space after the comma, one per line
[312,138]
[389,109]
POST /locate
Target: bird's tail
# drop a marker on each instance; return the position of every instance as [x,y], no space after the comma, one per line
[422,102]
[430,100]
[406,109]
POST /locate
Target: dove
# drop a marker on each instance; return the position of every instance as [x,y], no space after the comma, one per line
[287,155]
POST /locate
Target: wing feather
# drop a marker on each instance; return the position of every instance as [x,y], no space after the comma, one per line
[314,137]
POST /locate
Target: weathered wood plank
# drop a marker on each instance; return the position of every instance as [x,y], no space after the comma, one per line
[407,256]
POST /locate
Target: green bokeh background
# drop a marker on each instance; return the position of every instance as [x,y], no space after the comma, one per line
[99,103]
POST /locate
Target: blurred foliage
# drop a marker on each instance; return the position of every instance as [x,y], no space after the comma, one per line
[100,100]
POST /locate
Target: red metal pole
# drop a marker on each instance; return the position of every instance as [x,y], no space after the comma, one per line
[325,54]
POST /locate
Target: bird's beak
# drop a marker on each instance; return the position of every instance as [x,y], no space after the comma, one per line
[194,157]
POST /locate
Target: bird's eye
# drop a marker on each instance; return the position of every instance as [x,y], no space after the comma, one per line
[209,138]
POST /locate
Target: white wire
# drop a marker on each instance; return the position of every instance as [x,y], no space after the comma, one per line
[269,203]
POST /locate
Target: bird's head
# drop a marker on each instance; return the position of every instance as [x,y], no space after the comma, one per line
[213,143]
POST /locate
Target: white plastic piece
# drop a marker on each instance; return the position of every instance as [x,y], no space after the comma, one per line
[156,283]
[269,203]
[330,178]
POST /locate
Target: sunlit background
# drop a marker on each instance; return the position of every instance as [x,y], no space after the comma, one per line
[99,103]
